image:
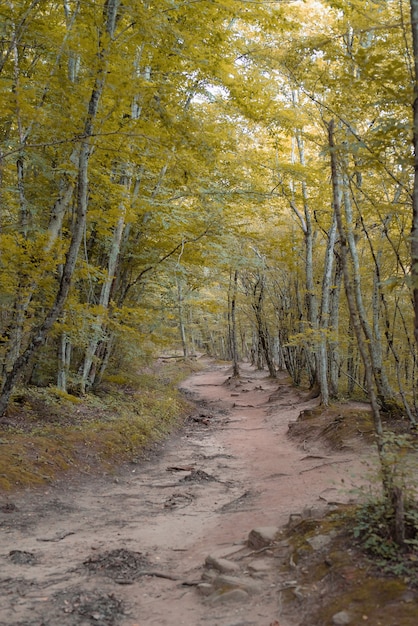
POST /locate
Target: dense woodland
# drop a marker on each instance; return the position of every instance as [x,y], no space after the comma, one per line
[224,176]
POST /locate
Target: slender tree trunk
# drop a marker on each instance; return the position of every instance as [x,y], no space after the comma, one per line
[64,360]
[23,213]
[311,296]
[324,319]
[193,339]
[233,325]
[351,360]
[264,338]
[180,300]
[305,221]
[107,349]
[97,331]
[333,343]
[414,232]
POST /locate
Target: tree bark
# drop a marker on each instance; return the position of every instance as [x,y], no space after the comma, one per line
[311,296]
[414,231]
[262,329]
[324,319]
[333,343]
[86,379]
[64,359]
[180,309]
[233,325]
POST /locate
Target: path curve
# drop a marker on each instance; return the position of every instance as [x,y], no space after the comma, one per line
[231,468]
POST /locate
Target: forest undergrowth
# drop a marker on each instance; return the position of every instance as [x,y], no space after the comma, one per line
[48,432]
[363,572]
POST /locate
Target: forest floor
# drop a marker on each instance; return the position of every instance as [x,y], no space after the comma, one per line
[226,523]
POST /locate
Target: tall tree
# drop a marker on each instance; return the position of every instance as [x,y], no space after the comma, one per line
[414,233]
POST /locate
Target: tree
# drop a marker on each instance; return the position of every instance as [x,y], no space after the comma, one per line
[414,232]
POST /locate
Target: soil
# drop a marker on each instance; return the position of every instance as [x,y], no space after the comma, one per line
[131,548]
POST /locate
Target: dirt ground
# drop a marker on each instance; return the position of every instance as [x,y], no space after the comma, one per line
[129,549]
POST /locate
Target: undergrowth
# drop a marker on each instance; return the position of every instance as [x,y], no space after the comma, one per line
[48,432]
[343,577]
[386,525]
[373,524]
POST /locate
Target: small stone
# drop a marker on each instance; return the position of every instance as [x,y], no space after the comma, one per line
[260,565]
[319,541]
[224,582]
[205,589]
[262,536]
[313,512]
[21,557]
[341,619]
[234,595]
[222,565]
[409,596]
[282,548]
[210,574]
[294,519]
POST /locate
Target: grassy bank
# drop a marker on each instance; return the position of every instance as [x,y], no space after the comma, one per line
[48,432]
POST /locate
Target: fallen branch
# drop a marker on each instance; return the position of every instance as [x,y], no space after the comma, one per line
[57,537]
[131,581]
[310,469]
[245,429]
[271,546]
[244,406]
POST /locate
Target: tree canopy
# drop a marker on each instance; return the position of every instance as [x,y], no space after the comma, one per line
[224,176]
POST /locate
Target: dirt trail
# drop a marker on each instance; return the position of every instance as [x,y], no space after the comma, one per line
[129,549]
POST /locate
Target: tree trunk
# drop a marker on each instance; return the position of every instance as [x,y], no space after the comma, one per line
[264,338]
[105,350]
[97,331]
[64,359]
[233,326]
[180,300]
[324,318]
[311,297]
[414,231]
[333,343]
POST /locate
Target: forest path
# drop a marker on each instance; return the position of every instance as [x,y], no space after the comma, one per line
[129,549]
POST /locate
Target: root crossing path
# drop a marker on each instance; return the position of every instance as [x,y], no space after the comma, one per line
[132,549]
